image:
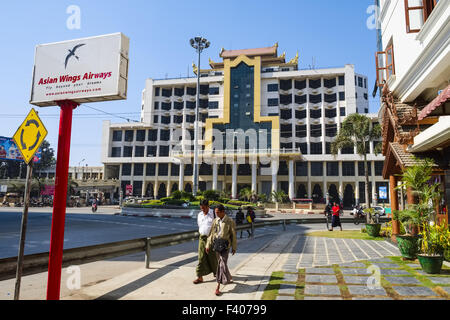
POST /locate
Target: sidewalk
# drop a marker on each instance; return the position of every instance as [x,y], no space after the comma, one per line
[172,279]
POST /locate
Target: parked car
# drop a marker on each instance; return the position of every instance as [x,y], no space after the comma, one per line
[380,210]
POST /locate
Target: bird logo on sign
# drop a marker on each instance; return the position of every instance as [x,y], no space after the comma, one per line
[72,53]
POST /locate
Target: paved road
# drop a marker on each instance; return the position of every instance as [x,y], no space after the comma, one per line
[84,228]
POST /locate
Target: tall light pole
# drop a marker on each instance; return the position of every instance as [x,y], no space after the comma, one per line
[199,44]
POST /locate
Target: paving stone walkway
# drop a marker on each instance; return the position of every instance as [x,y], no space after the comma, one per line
[315,251]
[347,269]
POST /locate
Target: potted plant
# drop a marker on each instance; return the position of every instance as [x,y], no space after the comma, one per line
[434,242]
[408,244]
[373,227]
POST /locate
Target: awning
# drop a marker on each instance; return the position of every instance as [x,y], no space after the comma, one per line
[441,99]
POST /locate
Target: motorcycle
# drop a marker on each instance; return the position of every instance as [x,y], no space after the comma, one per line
[94,207]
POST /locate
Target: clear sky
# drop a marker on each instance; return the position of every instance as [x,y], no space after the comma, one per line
[329,32]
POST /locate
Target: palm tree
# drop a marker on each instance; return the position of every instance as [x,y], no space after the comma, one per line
[247,194]
[358,131]
[279,196]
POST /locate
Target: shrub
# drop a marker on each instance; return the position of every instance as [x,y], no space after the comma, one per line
[211,195]
[177,195]
[224,200]
[238,203]
[175,202]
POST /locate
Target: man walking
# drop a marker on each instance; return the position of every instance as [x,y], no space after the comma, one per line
[207,262]
[240,220]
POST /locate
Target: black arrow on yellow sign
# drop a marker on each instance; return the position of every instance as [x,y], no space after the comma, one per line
[29,122]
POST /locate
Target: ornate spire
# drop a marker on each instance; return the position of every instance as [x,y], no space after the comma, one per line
[294,60]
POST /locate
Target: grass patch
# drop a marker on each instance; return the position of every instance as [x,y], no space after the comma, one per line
[271,291]
[346,234]
[300,291]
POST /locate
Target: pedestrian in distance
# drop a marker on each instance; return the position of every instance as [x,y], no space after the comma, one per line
[250,217]
[336,220]
[207,262]
[240,220]
[221,238]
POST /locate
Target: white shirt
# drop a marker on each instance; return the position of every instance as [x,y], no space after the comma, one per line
[205,222]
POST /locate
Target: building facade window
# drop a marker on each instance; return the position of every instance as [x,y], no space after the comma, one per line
[315,114]
[300,84]
[315,98]
[214,91]
[126,169]
[301,169]
[129,135]
[300,115]
[316,169]
[150,169]
[139,151]
[316,148]
[116,152]
[164,135]
[330,130]
[329,83]
[379,168]
[330,113]
[167,92]
[151,151]
[272,87]
[348,169]
[157,91]
[342,96]
[342,80]
[417,12]
[127,152]
[285,85]
[300,99]
[361,172]
[163,151]
[138,169]
[333,169]
[117,135]
[315,84]
[140,135]
[163,169]
[316,130]
[301,131]
[272,102]
[179,92]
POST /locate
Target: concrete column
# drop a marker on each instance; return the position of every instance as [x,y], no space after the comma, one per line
[291,180]
[374,185]
[274,170]
[181,178]
[215,172]
[357,192]
[325,191]
[254,174]
[234,181]
[393,193]
[309,181]
[169,183]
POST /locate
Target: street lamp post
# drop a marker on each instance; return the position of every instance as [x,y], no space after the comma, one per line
[199,44]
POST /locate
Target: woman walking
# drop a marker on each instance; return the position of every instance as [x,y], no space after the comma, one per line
[336,220]
[221,238]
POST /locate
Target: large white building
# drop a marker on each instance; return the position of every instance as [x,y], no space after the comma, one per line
[255,90]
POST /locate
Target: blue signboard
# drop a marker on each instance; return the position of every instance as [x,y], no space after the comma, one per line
[382,191]
[9,151]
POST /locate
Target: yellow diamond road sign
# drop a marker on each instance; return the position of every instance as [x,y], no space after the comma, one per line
[30,136]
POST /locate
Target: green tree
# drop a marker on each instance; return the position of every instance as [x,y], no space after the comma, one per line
[279,196]
[247,194]
[358,131]
[47,161]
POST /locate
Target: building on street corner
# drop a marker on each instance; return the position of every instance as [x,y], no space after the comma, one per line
[413,69]
[265,124]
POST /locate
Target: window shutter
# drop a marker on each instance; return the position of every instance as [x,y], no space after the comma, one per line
[415,15]
[380,59]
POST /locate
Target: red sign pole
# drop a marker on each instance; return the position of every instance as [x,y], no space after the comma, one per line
[59,203]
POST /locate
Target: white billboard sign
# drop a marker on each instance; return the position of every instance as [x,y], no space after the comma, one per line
[3,188]
[84,70]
